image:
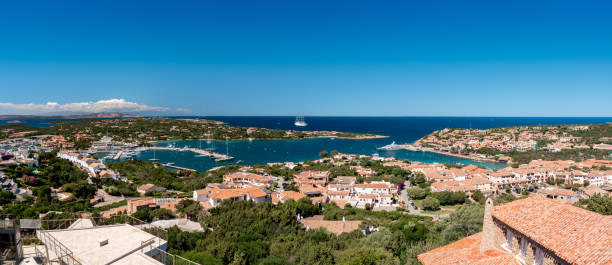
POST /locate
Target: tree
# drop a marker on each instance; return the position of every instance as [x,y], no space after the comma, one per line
[190,208]
[273,260]
[323,153]
[449,198]
[6,197]
[478,196]
[430,203]
[416,193]
[599,203]
[142,214]
[43,194]
[415,249]
[418,178]
[201,258]
[162,214]
[586,183]
[367,256]
[466,220]
[334,152]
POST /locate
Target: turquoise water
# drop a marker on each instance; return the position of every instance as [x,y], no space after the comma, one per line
[264,151]
[399,129]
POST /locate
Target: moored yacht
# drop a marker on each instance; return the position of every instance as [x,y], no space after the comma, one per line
[391,147]
[299,121]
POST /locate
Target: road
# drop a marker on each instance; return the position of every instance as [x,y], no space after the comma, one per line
[108,199]
[413,210]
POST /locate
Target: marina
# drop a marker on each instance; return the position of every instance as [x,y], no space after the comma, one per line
[171,165]
[216,156]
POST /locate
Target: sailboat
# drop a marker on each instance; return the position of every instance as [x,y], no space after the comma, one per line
[200,155]
[299,121]
[154,159]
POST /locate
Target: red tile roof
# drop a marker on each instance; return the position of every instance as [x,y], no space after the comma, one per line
[466,252]
[576,235]
[336,227]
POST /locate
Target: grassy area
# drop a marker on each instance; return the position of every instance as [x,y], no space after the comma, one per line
[447,209]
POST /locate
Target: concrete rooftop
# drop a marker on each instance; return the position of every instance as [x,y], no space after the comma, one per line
[84,243]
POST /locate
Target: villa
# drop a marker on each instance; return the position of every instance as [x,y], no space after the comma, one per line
[535,231]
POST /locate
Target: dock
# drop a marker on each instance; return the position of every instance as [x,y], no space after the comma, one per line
[177,167]
[216,156]
[118,155]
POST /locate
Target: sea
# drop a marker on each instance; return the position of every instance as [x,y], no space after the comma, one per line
[399,129]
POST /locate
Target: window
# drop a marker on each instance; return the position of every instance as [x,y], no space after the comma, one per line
[539,257]
[523,247]
[509,238]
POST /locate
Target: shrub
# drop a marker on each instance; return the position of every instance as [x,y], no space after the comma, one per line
[416,193]
[430,203]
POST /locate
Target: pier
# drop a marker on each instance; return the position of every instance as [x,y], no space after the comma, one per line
[118,155]
[216,156]
[177,167]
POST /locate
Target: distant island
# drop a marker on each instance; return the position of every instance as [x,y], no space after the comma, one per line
[76,116]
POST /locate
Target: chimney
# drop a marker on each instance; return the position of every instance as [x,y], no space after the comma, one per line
[488,228]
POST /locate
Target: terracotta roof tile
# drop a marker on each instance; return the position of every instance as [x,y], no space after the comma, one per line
[466,252]
[336,227]
[576,235]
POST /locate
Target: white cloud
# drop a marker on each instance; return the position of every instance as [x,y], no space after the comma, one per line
[109,105]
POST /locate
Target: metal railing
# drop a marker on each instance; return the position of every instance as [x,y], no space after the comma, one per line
[64,254]
[165,257]
[147,247]
[43,256]
[60,224]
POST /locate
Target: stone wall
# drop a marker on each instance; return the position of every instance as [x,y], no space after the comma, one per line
[499,237]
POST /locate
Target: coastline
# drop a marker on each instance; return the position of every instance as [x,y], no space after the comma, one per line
[416,148]
[465,156]
[369,137]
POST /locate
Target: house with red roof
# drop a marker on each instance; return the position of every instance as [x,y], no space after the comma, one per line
[534,230]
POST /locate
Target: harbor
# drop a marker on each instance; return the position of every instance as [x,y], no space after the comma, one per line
[216,156]
[171,165]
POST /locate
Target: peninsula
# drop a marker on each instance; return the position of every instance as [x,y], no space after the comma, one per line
[521,144]
[143,131]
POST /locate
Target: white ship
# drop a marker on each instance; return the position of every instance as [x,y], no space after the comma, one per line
[299,121]
[391,147]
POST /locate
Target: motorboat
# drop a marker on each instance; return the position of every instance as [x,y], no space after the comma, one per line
[391,147]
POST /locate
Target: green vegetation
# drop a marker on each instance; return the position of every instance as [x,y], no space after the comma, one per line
[449,198]
[598,203]
[143,172]
[246,233]
[576,154]
[144,130]
[54,173]
[540,133]
[416,193]
[465,221]
[242,232]
[430,204]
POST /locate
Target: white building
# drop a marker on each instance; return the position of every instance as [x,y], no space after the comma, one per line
[89,245]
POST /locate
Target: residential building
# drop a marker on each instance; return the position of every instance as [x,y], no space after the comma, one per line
[311,177]
[535,231]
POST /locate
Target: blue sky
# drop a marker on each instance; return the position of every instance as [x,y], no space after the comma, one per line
[400,58]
